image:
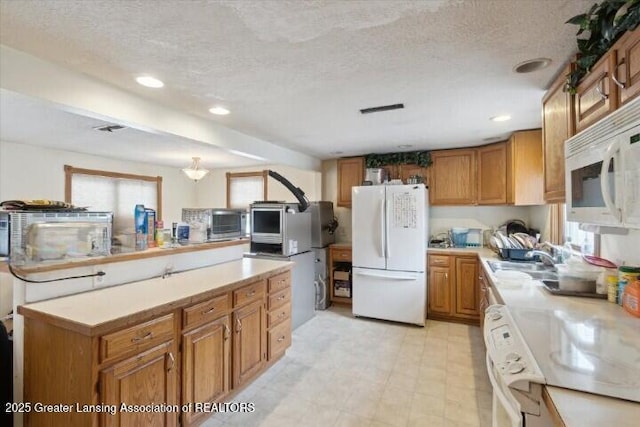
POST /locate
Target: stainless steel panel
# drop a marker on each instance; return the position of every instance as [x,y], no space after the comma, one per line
[321,278]
[321,218]
[303,292]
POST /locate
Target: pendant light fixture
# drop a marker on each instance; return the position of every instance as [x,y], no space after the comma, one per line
[195,172]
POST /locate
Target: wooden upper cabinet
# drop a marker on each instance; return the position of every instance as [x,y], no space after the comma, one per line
[350,174]
[627,72]
[524,168]
[557,127]
[453,177]
[492,178]
[597,94]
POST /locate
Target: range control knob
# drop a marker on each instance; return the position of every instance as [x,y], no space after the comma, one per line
[512,357]
[515,367]
[494,315]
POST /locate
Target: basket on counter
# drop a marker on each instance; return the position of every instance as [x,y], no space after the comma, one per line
[510,254]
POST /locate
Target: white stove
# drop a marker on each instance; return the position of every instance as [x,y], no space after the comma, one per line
[515,376]
[528,347]
[584,352]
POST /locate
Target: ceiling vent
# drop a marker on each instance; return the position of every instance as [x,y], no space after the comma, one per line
[109,128]
[382,108]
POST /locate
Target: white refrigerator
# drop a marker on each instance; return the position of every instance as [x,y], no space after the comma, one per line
[389,240]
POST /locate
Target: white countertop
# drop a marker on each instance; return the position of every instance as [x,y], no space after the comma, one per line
[572,337]
[91,309]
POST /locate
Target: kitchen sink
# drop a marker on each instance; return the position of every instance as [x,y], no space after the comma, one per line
[537,270]
[527,267]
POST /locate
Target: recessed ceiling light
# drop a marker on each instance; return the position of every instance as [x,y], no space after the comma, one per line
[502,118]
[149,81]
[405,146]
[218,110]
[532,65]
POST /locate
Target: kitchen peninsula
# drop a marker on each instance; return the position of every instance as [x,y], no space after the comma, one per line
[198,331]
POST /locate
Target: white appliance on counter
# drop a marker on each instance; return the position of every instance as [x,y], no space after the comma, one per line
[602,170]
[528,347]
[389,239]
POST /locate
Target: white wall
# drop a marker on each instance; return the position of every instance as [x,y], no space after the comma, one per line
[212,191]
[622,250]
[30,172]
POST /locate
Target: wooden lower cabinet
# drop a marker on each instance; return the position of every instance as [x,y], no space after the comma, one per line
[206,365]
[249,344]
[148,378]
[483,296]
[199,352]
[439,298]
[453,288]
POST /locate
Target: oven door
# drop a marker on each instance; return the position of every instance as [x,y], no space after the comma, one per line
[505,408]
[266,225]
[226,224]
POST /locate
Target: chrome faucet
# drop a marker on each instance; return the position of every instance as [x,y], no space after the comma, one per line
[168,270]
[545,257]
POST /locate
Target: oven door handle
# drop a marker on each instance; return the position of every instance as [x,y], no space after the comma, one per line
[514,414]
[612,149]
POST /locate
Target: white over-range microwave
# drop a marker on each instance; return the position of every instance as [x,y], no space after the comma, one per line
[603,171]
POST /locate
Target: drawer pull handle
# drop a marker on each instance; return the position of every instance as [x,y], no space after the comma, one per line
[173,361]
[238,325]
[209,311]
[146,336]
[281,339]
[281,297]
[250,294]
[281,315]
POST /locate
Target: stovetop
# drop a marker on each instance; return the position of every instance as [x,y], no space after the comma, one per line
[583,352]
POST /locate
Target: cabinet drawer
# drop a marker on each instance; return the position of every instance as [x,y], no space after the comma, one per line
[205,311]
[278,315]
[279,282]
[278,299]
[439,260]
[279,339]
[341,255]
[251,292]
[136,338]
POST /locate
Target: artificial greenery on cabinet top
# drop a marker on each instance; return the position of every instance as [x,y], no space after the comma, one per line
[604,23]
[420,158]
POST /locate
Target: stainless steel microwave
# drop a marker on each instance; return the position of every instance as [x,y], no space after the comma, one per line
[35,236]
[221,224]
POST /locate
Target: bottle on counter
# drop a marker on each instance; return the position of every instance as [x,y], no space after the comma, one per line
[626,275]
[631,298]
[140,223]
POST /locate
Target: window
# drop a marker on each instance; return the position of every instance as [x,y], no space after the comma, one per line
[245,188]
[583,241]
[115,192]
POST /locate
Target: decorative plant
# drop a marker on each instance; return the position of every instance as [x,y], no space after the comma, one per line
[420,158]
[605,23]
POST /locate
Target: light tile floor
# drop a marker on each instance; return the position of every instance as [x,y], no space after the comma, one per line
[343,371]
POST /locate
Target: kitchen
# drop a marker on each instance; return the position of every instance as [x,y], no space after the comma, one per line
[28,169]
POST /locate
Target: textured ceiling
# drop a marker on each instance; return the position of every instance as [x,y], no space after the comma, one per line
[296,73]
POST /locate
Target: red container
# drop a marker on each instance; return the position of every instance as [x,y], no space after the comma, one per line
[631,298]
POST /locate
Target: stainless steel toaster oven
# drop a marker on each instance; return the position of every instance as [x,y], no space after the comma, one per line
[221,224]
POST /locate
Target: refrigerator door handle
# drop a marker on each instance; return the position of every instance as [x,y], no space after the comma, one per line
[387,253]
[382,275]
[382,231]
